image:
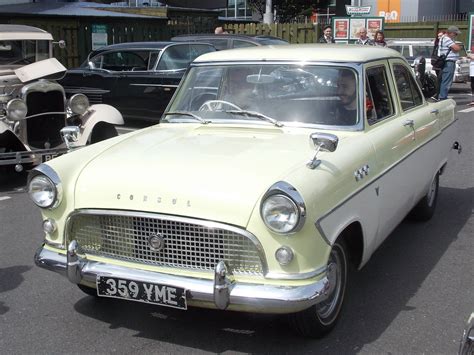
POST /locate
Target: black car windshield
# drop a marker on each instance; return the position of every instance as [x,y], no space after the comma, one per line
[23,52]
[290,94]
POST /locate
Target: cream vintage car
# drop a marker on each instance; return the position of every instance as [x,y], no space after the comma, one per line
[274,172]
[37,123]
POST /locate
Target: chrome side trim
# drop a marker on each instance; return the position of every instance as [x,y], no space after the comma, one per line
[155,85]
[245,297]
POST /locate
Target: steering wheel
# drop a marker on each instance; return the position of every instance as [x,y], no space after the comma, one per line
[212,105]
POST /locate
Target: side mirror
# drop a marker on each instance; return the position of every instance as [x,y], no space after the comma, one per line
[70,135]
[61,44]
[325,142]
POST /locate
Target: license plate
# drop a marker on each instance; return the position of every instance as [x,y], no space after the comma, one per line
[48,157]
[147,292]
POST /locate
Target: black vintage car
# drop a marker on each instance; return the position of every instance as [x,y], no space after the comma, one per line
[229,41]
[137,78]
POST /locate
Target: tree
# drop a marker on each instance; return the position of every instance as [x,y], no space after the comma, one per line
[288,10]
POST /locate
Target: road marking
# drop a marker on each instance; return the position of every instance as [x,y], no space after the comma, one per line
[2,198]
[470,109]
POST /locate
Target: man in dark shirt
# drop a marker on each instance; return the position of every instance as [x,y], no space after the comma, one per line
[346,112]
[327,35]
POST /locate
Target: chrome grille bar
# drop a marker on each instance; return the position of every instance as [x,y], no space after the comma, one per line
[189,243]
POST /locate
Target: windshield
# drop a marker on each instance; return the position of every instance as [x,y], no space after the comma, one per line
[23,52]
[270,93]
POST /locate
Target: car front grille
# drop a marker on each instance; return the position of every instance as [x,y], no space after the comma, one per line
[188,243]
[44,130]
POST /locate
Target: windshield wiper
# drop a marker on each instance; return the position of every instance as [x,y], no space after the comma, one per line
[190,114]
[257,115]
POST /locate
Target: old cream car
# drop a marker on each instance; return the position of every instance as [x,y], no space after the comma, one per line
[274,172]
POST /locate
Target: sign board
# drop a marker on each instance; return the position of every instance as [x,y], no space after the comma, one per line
[99,36]
[357,10]
[345,28]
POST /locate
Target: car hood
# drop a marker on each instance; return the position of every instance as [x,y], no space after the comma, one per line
[208,172]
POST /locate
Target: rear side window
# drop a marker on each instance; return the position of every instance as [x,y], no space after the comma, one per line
[408,91]
[242,44]
[379,103]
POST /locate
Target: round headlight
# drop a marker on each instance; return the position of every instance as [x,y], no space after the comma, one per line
[16,110]
[42,191]
[78,104]
[280,213]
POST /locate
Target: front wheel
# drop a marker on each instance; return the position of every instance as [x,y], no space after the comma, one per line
[321,318]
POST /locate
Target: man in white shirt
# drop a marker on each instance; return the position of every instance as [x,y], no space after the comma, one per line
[363,38]
[447,45]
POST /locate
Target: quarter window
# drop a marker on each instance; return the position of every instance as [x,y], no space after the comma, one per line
[408,90]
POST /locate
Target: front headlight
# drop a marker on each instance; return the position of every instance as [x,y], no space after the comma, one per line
[283,209]
[78,104]
[16,110]
[44,187]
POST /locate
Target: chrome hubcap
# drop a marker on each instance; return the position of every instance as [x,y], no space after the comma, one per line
[326,308]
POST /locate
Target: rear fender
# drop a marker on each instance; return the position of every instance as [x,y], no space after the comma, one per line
[94,115]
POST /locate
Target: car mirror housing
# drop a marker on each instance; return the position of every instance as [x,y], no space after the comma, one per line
[321,141]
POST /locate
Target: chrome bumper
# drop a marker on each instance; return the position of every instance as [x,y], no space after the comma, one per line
[221,293]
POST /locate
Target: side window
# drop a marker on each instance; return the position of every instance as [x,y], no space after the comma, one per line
[408,90]
[220,44]
[242,44]
[179,57]
[122,61]
[379,103]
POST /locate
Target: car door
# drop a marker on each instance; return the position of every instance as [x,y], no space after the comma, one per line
[95,79]
[392,136]
[138,85]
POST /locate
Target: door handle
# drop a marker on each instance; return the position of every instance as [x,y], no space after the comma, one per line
[435,111]
[409,123]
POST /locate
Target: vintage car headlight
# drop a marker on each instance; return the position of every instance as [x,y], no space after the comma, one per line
[283,209]
[78,104]
[44,187]
[16,110]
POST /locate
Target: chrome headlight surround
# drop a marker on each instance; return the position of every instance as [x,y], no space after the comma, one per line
[78,104]
[283,209]
[44,187]
[16,110]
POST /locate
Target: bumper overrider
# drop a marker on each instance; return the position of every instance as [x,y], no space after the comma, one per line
[221,293]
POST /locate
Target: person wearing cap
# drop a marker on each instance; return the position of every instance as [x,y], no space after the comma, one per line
[327,35]
[448,47]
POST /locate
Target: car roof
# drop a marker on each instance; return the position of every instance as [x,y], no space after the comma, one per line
[19,32]
[226,35]
[429,41]
[302,53]
[156,45]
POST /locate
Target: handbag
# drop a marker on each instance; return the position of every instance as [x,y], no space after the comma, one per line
[438,61]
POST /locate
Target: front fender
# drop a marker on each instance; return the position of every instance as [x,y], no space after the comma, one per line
[96,114]
[4,127]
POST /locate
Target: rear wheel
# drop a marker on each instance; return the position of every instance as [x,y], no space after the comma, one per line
[102,131]
[425,209]
[321,318]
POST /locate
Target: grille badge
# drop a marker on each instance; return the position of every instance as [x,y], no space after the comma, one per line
[156,241]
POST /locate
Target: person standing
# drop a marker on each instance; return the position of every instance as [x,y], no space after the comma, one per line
[363,38]
[471,74]
[448,47]
[327,35]
[379,39]
[436,70]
